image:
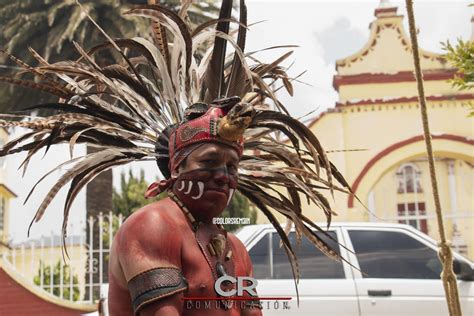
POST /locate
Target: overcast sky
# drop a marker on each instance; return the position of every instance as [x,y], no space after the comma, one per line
[324,31]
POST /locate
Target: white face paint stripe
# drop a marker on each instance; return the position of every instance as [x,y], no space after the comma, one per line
[182,186]
[231,192]
[201,190]
[190,187]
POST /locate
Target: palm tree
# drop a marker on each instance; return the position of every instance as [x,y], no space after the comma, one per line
[50,27]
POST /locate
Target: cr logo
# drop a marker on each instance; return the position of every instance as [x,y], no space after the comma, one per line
[250,289]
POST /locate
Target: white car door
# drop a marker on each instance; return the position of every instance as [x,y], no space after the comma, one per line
[402,274]
[326,287]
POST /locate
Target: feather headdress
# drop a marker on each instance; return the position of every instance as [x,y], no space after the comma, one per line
[126,110]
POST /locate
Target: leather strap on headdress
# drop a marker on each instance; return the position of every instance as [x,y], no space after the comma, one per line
[158,187]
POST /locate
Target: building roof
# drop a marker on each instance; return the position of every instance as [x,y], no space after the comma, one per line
[10,192]
[388,26]
[387,29]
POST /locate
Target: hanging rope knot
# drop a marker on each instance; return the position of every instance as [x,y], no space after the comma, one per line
[444,250]
[447,276]
[446,257]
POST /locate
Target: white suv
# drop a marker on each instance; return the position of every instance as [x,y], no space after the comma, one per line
[400,265]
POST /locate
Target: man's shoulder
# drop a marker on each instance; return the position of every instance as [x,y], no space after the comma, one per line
[148,239]
[236,241]
[154,219]
[241,255]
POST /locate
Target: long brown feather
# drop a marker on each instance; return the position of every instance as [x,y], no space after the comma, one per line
[201,27]
[214,75]
[250,194]
[35,86]
[160,38]
[237,79]
[155,11]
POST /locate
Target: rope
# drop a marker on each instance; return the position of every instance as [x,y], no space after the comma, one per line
[445,254]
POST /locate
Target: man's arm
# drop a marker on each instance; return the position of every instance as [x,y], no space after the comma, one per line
[149,252]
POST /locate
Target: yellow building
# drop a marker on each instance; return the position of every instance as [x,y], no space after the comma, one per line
[27,257]
[378,111]
[5,195]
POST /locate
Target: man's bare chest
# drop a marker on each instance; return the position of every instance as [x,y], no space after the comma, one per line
[201,282]
[197,271]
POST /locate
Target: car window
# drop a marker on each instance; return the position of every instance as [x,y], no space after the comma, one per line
[388,254]
[260,256]
[272,262]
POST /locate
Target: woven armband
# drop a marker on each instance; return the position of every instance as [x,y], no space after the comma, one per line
[154,284]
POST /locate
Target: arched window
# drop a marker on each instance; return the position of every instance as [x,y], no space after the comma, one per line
[409,179]
[411,208]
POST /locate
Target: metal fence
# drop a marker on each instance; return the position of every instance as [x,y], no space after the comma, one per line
[78,276]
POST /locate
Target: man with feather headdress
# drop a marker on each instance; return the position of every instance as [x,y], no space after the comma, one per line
[205,123]
[170,251]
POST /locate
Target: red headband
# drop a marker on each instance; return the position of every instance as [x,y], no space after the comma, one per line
[203,129]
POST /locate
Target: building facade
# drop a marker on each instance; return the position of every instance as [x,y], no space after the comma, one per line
[377,122]
[5,196]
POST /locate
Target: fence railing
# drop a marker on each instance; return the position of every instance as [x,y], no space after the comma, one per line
[81,274]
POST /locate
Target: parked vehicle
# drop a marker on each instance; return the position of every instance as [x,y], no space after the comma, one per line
[395,271]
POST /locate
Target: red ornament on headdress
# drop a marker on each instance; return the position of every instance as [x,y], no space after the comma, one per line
[204,129]
[224,121]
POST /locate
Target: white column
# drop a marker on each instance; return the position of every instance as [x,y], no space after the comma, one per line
[452,190]
[371,205]
[458,243]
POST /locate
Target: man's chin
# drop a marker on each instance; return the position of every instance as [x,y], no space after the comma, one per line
[212,204]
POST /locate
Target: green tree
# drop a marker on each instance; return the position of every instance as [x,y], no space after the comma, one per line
[127,199]
[130,197]
[66,280]
[461,57]
[50,27]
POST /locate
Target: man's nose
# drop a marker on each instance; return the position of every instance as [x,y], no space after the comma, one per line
[221,176]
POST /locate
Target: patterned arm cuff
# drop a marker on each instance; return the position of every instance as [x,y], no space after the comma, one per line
[154,284]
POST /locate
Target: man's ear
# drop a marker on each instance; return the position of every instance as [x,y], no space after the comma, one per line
[175,173]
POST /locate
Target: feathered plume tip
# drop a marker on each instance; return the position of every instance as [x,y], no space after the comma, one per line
[124,108]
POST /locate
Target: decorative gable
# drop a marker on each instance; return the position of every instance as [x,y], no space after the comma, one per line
[383,68]
[388,49]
